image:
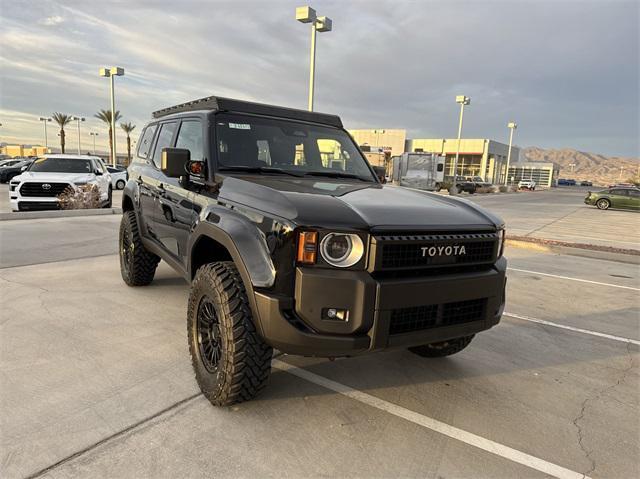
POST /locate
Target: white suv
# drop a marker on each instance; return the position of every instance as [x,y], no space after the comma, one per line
[527,185]
[38,187]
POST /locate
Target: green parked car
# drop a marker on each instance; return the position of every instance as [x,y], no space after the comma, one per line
[615,198]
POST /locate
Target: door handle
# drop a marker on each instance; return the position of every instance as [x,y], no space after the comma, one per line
[161,191]
[139,180]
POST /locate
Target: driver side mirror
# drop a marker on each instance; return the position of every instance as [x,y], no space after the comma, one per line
[24,168]
[174,162]
[97,172]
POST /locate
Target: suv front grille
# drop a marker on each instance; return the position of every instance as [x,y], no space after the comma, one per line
[43,189]
[417,318]
[402,252]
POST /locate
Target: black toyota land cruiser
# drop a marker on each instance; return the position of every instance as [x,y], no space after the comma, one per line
[290,241]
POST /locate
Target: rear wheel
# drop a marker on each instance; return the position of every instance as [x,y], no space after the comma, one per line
[442,348]
[230,359]
[120,185]
[603,204]
[137,264]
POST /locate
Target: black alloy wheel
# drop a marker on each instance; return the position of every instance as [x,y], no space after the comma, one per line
[209,339]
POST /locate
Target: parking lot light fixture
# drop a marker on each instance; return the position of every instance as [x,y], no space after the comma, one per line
[110,73]
[462,100]
[512,125]
[94,141]
[318,24]
[45,120]
[78,119]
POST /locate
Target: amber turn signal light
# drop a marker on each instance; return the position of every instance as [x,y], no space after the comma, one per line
[307,247]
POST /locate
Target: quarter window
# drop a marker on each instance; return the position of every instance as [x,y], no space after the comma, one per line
[144,145]
[190,138]
[164,140]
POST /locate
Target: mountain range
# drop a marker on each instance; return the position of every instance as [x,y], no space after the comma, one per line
[600,169]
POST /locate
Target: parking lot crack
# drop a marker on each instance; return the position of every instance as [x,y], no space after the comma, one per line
[585,404]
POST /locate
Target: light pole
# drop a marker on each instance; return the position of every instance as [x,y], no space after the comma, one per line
[110,73]
[46,139]
[94,141]
[572,165]
[512,125]
[621,171]
[78,119]
[318,24]
[462,100]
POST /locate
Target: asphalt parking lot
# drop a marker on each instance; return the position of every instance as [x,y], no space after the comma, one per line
[96,379]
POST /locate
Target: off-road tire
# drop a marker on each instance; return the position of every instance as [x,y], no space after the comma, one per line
[138,266]
[603,204]
[244,359]
[443,348]
[120,185]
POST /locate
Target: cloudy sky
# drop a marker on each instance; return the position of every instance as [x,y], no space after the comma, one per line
[566,71]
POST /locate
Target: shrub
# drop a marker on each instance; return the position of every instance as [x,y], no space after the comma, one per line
[503,188]
[85,197]
[446,185]
[486,189]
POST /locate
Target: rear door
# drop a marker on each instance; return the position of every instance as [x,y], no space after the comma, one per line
[634,199]
[619,198]
[141,171]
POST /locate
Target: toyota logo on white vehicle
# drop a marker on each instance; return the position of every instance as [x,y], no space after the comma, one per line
[46,186]
[452,250]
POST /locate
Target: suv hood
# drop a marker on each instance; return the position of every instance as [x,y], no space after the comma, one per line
[56,177]
[354,205]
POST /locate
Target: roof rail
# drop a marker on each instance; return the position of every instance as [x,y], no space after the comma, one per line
[228,104]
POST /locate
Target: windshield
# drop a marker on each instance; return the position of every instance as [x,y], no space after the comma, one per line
[289,147]
[62,165]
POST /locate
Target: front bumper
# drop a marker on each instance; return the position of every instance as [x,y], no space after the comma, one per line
[383,314]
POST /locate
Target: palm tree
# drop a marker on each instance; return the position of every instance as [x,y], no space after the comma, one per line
[105,115]
[61,119]
[128,129]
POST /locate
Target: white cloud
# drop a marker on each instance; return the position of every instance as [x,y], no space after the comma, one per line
[52,21]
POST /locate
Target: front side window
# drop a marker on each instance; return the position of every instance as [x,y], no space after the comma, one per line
[619,192]
[144,144]
[634,193]
[164,141]
[247,142]
[190,138]
[62,165]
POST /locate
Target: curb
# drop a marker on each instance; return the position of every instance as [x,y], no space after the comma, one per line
[36,215]
[609,253]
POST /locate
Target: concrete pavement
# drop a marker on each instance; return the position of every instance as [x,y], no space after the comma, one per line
[86,360]
[560,214]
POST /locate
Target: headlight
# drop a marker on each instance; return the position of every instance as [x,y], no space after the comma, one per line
[501,235]
[82,183]
[341,249]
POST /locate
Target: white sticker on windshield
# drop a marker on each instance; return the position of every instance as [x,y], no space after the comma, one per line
[240,126]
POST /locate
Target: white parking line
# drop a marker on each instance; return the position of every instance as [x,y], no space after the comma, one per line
[574,279]
[571,328]
[433,424]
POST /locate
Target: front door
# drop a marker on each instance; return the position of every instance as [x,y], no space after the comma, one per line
[175,210]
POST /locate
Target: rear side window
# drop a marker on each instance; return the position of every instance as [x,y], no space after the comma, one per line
[165,138]
[144,144]
[619,192]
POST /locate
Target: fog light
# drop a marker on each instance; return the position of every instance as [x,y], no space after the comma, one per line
[335,314]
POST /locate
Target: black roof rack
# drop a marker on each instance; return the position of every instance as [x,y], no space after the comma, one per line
[228,104]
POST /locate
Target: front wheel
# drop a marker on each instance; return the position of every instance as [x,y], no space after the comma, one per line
[442,348]
[109,202]
[230,359]
[603,204]
[120,185]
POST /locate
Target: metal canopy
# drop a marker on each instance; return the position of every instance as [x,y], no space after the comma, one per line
[228,104]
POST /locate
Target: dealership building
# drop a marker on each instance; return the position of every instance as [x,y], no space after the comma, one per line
[544,174]
[478,157]
[384,139]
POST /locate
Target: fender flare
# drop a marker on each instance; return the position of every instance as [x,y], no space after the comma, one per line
[243,240]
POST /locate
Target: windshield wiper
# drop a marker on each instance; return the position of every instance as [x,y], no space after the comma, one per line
[337,174]
[259,169]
